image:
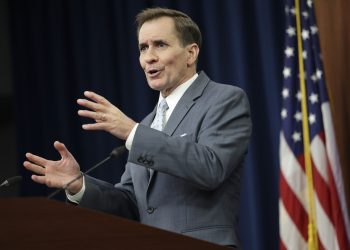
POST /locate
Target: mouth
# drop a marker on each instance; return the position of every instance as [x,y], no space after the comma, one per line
[153,72]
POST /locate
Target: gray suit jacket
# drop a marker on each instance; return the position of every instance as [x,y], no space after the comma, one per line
[198,161]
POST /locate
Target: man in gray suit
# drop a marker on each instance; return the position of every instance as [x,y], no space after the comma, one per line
[185,158]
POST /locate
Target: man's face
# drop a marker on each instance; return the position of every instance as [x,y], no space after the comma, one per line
[164,60]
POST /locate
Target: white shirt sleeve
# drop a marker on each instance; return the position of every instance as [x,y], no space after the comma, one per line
[76,198]
[131,136]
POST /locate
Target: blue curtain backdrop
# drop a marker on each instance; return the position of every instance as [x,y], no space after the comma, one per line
[61,48]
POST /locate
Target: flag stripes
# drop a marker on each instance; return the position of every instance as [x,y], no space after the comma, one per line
[322,172]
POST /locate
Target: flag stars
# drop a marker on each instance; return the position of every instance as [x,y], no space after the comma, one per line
[285,93]
[298,96]
[289,51]
[314,77]
[296,136]
[319,74]
[314,30]
[312,119]
[305,34]
[309,3]
[287,72]
[305,14]
[292,11]
[298,116]
[284,113]
[291,31]
[304,54]
[286,9]
[313,98]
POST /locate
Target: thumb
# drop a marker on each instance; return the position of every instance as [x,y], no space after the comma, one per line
[61,148]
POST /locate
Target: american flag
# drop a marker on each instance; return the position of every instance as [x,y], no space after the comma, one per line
[312,206]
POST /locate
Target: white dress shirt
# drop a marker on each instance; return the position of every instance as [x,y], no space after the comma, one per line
[171,100]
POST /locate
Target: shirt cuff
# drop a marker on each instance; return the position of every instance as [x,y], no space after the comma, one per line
[76,198]
[131,136]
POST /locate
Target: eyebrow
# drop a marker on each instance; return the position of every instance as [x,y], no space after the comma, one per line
[142,45]
[156,42]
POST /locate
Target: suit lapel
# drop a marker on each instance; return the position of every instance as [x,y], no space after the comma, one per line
[185,103]
[183,106]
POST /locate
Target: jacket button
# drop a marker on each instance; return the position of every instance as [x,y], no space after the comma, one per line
[140,160]
[150,210]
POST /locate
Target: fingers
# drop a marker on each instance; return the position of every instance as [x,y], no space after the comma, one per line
[95,97]
[92,115]
[89,104]
[39,179]
[94,126]
[37,159]
[34,168]
[61,148]
[52,173]
[97,103]
[101,120]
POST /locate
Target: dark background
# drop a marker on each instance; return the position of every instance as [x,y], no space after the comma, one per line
[51,51]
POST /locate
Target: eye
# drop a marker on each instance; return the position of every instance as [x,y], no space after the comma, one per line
[161,44]
[143,48]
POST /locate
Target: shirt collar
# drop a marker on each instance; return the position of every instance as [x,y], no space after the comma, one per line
[177,93]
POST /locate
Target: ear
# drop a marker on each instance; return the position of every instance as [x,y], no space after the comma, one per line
[192,54]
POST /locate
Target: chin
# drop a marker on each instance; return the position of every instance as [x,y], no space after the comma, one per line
[155,85]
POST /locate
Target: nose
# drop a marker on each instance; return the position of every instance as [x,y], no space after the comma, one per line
[150,55]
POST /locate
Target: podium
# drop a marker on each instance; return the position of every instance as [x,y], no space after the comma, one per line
[39,223]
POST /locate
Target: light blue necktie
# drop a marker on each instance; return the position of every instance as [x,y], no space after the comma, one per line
[160,119]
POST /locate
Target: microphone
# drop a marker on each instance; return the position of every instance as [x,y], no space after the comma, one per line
[118,151]
[10,181]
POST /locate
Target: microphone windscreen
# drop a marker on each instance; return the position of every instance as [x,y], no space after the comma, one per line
[14,179]
[11,180]
[118,151]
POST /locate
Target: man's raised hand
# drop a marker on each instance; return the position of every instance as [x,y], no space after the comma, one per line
[55,173]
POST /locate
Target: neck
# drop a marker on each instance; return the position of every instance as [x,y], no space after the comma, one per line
[168,91]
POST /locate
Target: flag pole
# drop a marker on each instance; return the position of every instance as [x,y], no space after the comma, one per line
[312,230]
